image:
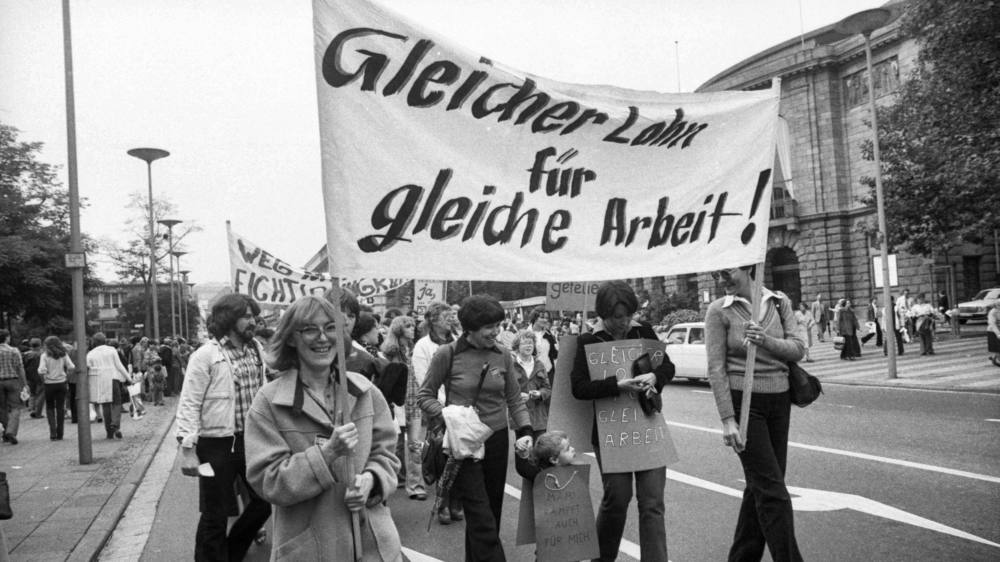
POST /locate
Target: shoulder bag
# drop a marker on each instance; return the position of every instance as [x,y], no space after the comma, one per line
[432,465]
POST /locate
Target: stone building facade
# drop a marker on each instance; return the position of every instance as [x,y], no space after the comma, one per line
[815,243]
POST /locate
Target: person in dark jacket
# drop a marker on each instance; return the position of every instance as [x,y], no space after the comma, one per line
[615,305]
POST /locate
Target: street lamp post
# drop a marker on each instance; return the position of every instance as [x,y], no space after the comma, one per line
[864,23]
[170,224]
[149,155]
[177,255]
[184,312]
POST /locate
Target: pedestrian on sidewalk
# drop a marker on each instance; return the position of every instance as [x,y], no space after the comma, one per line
[923,322]
[222,378]
[847,327]
[898,326]
[820,316]
[873,317]
[298,457]
[805,321]
[104,367]
[55,367]
[766,517]
[32,358]
[993,333]
[12,381]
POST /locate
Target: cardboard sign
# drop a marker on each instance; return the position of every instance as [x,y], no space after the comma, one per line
[565,530]
[433,154]
[629,439]
[575,417]
[570,295]
[425,292]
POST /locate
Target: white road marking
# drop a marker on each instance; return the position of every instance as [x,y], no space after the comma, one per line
[865,456]
[834,405]
[702,391]
[992,420]
[415,556]
[807,499]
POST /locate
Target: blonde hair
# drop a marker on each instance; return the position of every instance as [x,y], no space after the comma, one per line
[282,355]
[520,337]
[548,445]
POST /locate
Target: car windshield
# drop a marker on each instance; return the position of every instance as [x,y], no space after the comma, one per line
[987,294]
[676,336]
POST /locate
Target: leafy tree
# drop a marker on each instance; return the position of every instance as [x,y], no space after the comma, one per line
[35,286]
[940,141]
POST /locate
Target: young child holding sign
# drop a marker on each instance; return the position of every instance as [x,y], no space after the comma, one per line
[556,496]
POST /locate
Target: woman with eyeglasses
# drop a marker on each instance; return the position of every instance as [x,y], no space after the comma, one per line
[299,453]
[765,517]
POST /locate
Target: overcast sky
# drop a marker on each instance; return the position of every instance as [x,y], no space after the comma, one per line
[228,88]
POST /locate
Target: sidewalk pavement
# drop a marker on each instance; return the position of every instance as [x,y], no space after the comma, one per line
[64,510]
[67,511]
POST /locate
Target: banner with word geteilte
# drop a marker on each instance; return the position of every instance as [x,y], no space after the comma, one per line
[439,162]
[272,282]
[629,439]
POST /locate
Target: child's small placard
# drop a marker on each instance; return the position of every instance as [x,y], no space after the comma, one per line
[629,439]
[565,530]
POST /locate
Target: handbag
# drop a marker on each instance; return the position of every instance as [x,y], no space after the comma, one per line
[838,342]
[5,512]
[650,405]
[803,388]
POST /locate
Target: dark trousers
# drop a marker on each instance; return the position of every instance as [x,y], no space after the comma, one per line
[899,344]
[926,341]
[613,512]
[481,486]
[74,416]
[217,500]
[55,408]
[112,411]
[766,512]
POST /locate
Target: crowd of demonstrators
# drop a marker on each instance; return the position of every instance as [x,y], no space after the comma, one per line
[295,447]
[222,379]
[765,517]
[474,370]
[533,380]
[616,304]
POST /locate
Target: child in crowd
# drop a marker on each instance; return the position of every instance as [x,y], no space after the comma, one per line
[136,409]
[552,448]
[157,381]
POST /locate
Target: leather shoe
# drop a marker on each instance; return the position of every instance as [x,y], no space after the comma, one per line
[457,514]
[420,496]
[118,435]
[11,439]
[444,517]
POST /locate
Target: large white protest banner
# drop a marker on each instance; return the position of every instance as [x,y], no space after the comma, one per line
[271,281]
[440,163]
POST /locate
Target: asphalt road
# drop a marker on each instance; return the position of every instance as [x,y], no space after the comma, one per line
[878,474]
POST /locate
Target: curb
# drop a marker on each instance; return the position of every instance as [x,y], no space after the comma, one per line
[909,386]
[97,535]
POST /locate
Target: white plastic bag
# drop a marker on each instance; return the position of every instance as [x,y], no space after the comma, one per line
[465,435]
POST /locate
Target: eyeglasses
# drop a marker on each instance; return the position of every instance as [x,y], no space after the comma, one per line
[312,332]
[725,274]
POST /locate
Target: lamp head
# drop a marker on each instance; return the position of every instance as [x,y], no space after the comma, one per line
[148,154]
[169,223]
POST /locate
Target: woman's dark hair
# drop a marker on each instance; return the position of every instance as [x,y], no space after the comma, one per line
[349,304]
[363,325]
[478,311]
[611,294]
[54,347]
[536,313]
[98,339]
[227,311]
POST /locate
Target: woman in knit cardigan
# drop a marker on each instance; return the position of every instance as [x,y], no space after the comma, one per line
[766,512]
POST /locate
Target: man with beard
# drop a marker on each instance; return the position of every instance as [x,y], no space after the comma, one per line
[229,369]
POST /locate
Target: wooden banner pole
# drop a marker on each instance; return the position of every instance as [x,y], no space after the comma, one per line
[756,285]
[344,341]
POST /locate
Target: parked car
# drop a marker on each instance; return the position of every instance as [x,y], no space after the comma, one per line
[686,348]
[977,308]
